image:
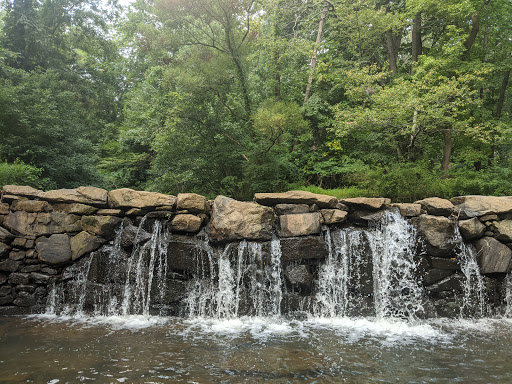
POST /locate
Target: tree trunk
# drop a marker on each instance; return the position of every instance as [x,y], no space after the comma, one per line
[503,91]
[319,37]
[448,146]
[417,44]
[392,51]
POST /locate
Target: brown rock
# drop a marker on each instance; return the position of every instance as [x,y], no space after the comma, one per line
[408,209]
[333,216]
[17,254]
[84,243]
[54,250]
[31,206]
[9,265]
[191,202]
[136,212]
[291,209]
[438,234]
[103,226]
[471,229]
[4,248]
[186,223]
[474,206]
[235,220]
[5,235]
[129,198]
[83,195]
[21,190]
[491,217]
[75,208]
[492,256]
[43,223]
[371,203]
[109,212]
[4,209]
[296,197]
[436,206]
[503,230]
[301,224]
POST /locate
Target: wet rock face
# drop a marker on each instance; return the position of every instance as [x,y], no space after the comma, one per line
[492,256]
[235,220]
[437,233]
[54,250]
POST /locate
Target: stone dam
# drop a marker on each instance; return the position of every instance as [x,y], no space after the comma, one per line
[293,254]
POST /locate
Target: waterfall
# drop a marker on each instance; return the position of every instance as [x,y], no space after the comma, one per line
[508,295]
[239,281]
[389,246]
[474,301]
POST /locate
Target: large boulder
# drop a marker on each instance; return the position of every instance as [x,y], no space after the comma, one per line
[103,226]
[54,250]
[437,233]
[296,197]
[303,248]
[129,198]
[42,223]
[235,220]
[436,206]
[471,229]
[474,206]
[492,256]
[186,223]
[301,224]
[84,243]
[366,203]
[83,195]
[191,202]
[503,230]
[21,190]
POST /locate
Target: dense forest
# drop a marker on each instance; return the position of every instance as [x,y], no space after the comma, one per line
[396,98]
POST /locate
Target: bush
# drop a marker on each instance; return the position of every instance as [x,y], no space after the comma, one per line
[19,173]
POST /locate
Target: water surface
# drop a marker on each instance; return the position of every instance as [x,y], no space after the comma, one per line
[136,349]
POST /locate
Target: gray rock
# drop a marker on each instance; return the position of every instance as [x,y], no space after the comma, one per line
[436,206]
[17,254]
[296,197]
[54,250]
[437,233]
[8,299]
[24,299]
[291,209]
[303,248]
[474,206]
[18,278]
[450,283]
[299,276]
[5,290]
[299,224]
[471,229]
[132,235]
[434,275]
[49,271]
[235,220]
[9,265]
[26,288]
[442,263]
[3,278]
[31,268]
[39,278]
[492,256]
[5,235]
[4,248]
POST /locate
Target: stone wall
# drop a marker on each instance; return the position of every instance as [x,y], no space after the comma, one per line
[43,235]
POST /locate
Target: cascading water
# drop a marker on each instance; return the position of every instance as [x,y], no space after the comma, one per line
[389,246]
[508,295]
[474,299]
[238,282]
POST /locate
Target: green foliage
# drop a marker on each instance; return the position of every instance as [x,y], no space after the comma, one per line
[19,173]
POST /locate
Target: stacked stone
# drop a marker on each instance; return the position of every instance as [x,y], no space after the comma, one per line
[42,232]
